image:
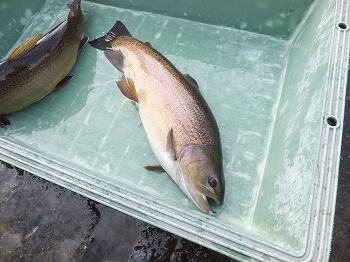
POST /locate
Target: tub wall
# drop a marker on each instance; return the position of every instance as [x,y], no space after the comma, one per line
[13,20]
[269,17]
[284,204]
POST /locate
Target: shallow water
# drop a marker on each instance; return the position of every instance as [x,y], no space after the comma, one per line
[41,221]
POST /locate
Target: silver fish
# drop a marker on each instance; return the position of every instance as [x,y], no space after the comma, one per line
[180,127]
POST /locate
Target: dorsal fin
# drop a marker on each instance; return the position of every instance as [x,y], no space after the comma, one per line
[192,80]
[104,42]
[26,46]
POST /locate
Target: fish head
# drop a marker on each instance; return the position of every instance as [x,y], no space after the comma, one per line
[202,175]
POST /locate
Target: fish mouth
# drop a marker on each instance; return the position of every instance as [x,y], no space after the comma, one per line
[202,195]
[212,197]
[204,198]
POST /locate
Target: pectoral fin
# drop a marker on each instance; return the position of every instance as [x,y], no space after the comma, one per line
[116,58]
[128,89]
[156,168]
[170,145]
[25,47]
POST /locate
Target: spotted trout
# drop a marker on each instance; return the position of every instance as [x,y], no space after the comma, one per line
[41,64]
[180,127]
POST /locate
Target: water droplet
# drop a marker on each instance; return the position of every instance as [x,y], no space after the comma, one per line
[269,23]
[23,20]
[3,6]
[243,25]
[28,13]
[159,34]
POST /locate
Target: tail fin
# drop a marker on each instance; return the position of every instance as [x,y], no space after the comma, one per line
[74,8]
[104,42]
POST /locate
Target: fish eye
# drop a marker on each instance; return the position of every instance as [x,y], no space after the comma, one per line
[213,182]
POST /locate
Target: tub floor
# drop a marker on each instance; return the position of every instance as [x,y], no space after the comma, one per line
[91,126]
[71,125]
[42,221]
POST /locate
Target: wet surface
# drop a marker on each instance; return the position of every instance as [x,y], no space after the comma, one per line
[44,222]
[341,232]
[41,221]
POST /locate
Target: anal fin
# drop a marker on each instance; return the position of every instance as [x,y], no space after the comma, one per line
[82,44]
[156,168]
[128,89]
[4,122]
[26,46]
[62,83]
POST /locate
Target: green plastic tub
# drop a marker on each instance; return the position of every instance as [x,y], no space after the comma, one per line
[274,75]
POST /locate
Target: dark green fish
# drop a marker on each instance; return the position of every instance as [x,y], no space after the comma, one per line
[41,64]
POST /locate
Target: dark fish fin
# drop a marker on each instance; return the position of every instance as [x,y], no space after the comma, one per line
[25,47]
[104,42]
[192,80]
[116,58]
[156,168]
[62,83]
[74,8]
[101,43]
[128,89]
[4,122]
[148,44]
[82,44]
[170,145]
[119,29]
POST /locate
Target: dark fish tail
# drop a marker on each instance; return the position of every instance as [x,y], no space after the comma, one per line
[74,8]
[105,42]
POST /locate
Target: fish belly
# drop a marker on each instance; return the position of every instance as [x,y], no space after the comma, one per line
[162,108]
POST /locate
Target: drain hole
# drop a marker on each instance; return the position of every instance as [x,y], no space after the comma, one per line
[343,26]
[332,121]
